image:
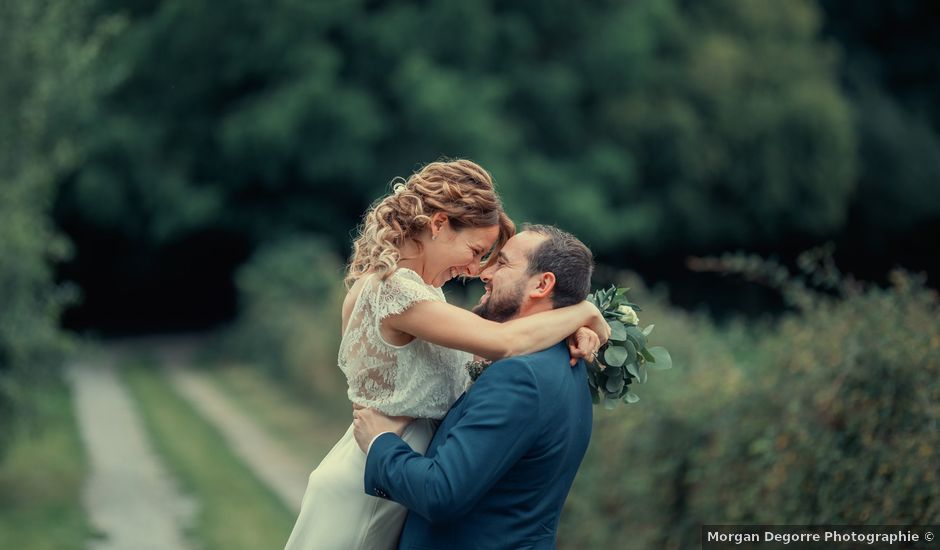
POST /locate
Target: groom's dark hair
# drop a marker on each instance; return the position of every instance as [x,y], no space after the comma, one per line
[568,258]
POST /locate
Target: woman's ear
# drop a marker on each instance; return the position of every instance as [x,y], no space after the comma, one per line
[438,221]
[545,286]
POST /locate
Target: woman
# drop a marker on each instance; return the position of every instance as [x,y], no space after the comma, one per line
[404,349]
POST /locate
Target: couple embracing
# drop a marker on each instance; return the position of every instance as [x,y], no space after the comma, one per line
[433,460]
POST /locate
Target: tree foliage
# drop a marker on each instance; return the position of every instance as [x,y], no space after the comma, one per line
[891,78]
[44,47]
[646,125]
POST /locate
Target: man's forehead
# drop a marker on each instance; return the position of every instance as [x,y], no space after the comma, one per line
[522,243]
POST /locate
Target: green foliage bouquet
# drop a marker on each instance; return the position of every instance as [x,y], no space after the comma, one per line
[625,358]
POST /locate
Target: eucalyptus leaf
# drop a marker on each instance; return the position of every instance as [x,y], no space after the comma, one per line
[648,330]
[610,404]
[631,397]
[606,297]
[614,356]
[647,355]
[636,335]
[663,359]
[631,352]
[614,385]
[618,331]
[643,373]
[632,369]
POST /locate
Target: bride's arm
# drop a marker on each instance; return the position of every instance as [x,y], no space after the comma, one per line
[450,326]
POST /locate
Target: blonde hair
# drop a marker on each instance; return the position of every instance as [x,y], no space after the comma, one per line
[460,189]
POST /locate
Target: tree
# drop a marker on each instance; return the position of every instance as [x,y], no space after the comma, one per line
[44,49]
[648,126]
[890,75]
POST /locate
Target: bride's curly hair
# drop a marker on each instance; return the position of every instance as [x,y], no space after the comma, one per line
[461,189]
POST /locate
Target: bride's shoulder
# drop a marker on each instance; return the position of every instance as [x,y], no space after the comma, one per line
[373,283]
[401,286]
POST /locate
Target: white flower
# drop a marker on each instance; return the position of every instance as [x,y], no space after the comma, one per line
[628,316]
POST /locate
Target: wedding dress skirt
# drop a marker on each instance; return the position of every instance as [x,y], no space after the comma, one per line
[337,514]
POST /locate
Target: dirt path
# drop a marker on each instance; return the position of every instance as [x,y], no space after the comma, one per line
[129,496]
[277,466]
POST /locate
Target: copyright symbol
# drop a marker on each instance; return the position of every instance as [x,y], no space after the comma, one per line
[928,536]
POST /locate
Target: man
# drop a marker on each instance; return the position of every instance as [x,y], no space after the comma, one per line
[500,466]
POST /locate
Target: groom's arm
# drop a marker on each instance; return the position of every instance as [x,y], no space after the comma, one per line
[498,425]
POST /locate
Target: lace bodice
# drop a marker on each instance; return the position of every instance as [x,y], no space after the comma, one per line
[418,379]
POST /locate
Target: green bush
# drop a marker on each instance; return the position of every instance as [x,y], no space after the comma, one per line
[828,415]
[842,428]
[30,303]
[291,296]
[43,50]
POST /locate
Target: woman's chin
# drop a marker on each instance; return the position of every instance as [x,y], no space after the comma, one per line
[444,277]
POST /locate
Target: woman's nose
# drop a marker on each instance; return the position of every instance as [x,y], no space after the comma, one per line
[473,269]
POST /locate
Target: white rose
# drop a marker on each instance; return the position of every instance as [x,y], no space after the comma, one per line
[628,316]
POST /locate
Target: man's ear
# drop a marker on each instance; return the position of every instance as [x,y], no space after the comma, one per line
[545,286]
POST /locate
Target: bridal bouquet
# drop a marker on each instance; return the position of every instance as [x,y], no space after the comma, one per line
[625,358]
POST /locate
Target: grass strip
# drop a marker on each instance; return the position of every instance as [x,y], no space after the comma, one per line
[309,428]
[41,475]
[235,509]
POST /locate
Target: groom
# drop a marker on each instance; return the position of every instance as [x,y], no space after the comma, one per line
[502,461]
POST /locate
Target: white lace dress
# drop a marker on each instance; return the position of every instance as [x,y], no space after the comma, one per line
[419,379]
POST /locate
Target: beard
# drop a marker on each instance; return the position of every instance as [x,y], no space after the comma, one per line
[503,308]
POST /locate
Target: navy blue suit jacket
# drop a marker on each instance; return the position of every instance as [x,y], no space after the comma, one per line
[498,470]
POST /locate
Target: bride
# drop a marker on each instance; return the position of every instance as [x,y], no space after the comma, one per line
[404,348]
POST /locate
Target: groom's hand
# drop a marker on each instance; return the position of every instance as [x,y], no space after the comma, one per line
[369,423]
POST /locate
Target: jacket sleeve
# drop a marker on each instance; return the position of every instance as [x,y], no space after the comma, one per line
[498,424]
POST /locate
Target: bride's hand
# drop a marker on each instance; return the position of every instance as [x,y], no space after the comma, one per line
[583,344]
[597,323]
